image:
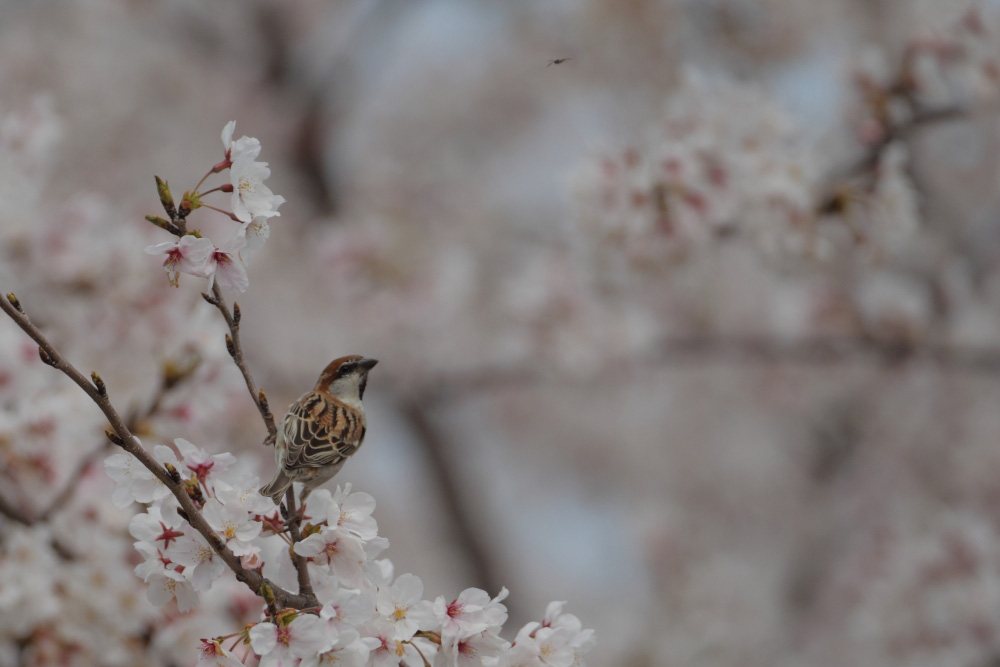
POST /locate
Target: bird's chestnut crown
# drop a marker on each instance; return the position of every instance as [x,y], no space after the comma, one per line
[341,373]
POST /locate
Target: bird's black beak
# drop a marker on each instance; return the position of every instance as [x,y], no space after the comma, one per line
[367,364]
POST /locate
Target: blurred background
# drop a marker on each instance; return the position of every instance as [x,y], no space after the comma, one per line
[687,310]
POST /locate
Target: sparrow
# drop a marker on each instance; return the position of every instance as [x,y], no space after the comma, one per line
[322,428]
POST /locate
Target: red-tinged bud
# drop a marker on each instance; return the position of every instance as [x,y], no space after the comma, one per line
[222,166]
[189,202]
[14,302]
[166,199]
[226,187]
[114,438]
[46,359]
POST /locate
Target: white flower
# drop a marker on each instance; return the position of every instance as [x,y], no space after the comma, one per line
[385,650]
[353,512]
[234,524]
[211,654]
[469,614]
[200,463]
[224,264]
[251,198]
[166,585]
[133,482]
[340,552]
[345,607]
[187,255]
[203,565]
[151,528]
[471,652]
[305,637]
[349,651]
[255,233]
[243,492]
[401,604]
[244,146]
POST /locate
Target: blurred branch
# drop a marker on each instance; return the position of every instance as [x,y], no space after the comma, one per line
[122,436]
[171,378]
[445,480]
[751,349]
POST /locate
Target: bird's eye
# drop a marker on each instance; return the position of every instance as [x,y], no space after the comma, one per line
[346,369]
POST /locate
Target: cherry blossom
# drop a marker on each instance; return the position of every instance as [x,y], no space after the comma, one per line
[251,198]
[402,605]
[338,552]
[234,524]
[305,637]
[225,266]
[167,585]
[186,255]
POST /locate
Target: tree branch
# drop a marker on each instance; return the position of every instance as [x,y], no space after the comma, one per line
[751,349]
[98,393]
[292,520]
[236,352]
[477,554]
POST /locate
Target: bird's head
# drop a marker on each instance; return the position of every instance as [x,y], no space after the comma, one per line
[345,378]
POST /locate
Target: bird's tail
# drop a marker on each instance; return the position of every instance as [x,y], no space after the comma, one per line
[277,486]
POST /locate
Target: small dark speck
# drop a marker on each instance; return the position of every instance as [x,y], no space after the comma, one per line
[558,61]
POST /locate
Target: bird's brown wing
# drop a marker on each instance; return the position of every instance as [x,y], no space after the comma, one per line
[320,431]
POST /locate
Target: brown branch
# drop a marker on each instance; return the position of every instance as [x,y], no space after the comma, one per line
[9,510]
[751,349]
[69,489]
[236,352]
[124,438]
[292,520]
[446,476]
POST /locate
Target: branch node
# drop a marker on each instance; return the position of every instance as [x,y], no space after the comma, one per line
[262,400]
[236,314]
[99,383]
[114,438]
[211,299]
[175,476]
[46,359]
[14,302]
[230,346]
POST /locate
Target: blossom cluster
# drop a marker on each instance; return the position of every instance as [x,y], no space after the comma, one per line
[367,616]
[253,205]
[940,71]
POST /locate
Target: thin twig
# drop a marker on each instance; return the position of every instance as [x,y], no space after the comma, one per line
[292,520]
[69,489]
[236,352]
[51,356]
[8,509]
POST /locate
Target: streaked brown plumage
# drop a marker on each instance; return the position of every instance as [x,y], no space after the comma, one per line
[322,428]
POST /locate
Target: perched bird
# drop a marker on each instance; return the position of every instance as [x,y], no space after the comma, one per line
[322,429]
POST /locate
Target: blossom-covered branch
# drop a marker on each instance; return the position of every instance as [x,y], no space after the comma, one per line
[123,437]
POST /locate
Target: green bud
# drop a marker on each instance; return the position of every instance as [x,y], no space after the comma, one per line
[166,199]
